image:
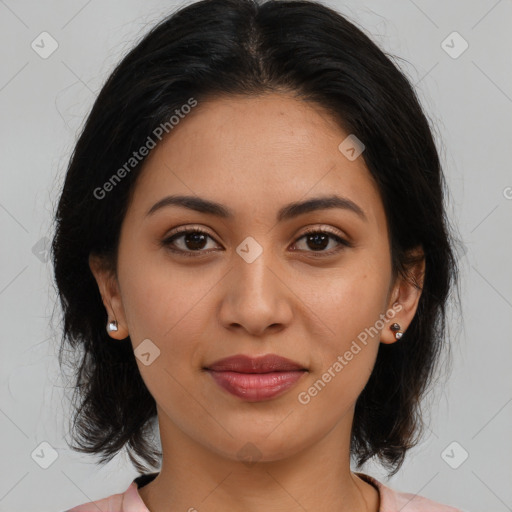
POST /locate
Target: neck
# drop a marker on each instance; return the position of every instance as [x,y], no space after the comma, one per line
[313,479]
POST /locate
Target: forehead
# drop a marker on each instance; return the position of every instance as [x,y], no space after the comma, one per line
[254,154]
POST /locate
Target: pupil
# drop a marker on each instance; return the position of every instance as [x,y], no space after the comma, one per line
[319,237]
[195,240]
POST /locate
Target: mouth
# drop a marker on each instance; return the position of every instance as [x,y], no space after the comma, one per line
[261,364]
[256,378]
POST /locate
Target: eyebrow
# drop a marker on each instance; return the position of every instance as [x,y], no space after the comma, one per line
[287,212]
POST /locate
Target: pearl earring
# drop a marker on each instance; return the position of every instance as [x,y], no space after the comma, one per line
[396,329]
[112,326]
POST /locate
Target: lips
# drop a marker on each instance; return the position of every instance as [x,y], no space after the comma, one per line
[256,378]
[263,364]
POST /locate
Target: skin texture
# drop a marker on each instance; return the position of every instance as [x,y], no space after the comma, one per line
[254,155]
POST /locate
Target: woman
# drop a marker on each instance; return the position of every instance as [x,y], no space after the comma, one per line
[252,250]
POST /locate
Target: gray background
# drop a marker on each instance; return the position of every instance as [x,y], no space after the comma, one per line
[469,100]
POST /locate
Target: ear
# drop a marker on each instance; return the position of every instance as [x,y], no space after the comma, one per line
[405,294]
[111,297]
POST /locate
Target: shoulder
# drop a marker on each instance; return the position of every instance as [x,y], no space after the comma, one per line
[127,501]
[394,501]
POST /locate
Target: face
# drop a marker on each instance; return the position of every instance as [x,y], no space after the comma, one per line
[253,281]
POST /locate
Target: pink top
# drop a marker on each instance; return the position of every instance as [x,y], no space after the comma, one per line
[390,501]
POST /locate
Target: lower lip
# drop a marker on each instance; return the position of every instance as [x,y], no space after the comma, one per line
[256,387]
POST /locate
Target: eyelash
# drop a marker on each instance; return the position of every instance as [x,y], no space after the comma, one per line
[194,254]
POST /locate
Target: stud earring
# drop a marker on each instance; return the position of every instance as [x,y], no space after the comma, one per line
[112,326]
[396,329]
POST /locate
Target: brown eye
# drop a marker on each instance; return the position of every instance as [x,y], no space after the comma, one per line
[191,241]
[318,240]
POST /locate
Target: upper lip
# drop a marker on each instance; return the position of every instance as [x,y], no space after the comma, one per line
[262,364]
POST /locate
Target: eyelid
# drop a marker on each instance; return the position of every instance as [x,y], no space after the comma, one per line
[188,228]
[183,230]
[341,239]
[325,229]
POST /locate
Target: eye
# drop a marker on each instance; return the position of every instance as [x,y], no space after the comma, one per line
[193,242]
[318,239]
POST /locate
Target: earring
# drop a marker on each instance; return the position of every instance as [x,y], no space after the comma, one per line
[112,326]
[396,329]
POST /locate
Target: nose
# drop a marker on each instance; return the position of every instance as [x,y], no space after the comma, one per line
[256,297]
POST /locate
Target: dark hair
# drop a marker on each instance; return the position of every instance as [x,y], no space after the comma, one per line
[227,47]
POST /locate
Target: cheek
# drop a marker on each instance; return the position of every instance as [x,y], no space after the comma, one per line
[347,309]
[351,299]
[164,308]
[168,305]
[343,358]
[159,296]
